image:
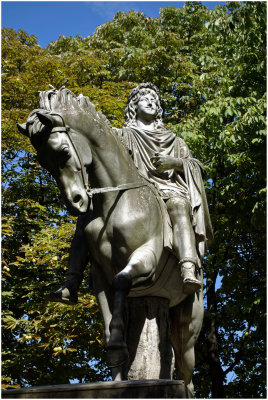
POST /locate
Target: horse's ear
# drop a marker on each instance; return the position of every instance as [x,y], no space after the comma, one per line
[46,120]
[23,129]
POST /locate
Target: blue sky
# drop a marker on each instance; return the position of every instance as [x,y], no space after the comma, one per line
[49,19]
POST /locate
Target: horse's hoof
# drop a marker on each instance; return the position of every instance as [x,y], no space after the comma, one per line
[63,295]
[116,355]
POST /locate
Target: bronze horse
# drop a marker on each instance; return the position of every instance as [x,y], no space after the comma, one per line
[125,233]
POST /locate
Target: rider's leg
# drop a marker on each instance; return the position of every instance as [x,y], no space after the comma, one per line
[184,242]
[186,321]
[78,260]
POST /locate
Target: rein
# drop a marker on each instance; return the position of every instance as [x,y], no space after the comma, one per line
[124,186]
[92,192]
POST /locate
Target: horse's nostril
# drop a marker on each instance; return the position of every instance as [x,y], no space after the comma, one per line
[77,198]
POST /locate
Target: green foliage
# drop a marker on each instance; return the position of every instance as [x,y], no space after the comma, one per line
[210,67]
[42,343]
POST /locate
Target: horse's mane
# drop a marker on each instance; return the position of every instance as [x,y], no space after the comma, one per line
[55,100]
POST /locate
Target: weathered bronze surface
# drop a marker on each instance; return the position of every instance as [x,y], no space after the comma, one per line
[145,224]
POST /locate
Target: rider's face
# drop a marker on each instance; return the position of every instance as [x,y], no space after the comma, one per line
[147,107]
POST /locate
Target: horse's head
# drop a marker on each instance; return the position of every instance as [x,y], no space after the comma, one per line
[64,153]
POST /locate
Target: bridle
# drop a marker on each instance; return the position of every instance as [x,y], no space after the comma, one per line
[66,129]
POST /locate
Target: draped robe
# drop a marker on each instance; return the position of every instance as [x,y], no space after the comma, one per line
[142,145]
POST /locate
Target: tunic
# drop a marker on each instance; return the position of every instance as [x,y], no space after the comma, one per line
[142,145]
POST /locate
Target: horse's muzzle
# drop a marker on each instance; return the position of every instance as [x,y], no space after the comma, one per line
[78,203]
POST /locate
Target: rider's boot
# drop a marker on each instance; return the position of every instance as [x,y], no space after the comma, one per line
[188,273]
[67,294]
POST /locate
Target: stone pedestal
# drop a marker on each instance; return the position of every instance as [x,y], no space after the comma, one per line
[149,370]
[148,339]
[151,389]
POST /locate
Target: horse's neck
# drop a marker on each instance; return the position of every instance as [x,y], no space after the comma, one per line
[112,165]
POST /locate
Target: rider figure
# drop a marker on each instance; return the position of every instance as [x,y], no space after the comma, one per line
[165,160]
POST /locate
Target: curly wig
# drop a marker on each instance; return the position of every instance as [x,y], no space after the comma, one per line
[133,99]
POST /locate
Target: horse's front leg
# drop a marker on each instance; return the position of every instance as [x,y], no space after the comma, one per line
[142,264]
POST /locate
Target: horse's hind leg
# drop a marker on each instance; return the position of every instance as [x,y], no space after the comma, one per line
[186,322]
[140,266]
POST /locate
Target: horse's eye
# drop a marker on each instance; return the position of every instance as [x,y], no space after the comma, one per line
[65,151]
[63,155]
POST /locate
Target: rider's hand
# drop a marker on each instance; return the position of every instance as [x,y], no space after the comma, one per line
[164,163]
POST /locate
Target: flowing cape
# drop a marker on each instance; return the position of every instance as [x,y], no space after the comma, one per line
[142,145]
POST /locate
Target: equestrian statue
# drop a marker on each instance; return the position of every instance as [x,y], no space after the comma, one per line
[143,220]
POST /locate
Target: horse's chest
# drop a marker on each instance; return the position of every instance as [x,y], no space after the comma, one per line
[97,235]
[113,239]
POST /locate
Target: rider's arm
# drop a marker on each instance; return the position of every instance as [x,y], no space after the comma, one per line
[163,163]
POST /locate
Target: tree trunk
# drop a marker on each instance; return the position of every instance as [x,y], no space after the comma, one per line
[216,372]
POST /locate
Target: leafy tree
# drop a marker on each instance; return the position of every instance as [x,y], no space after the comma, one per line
[229,127]
[210,67]
[42,343]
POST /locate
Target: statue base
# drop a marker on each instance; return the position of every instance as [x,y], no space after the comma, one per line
[148,340]
[146,389]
